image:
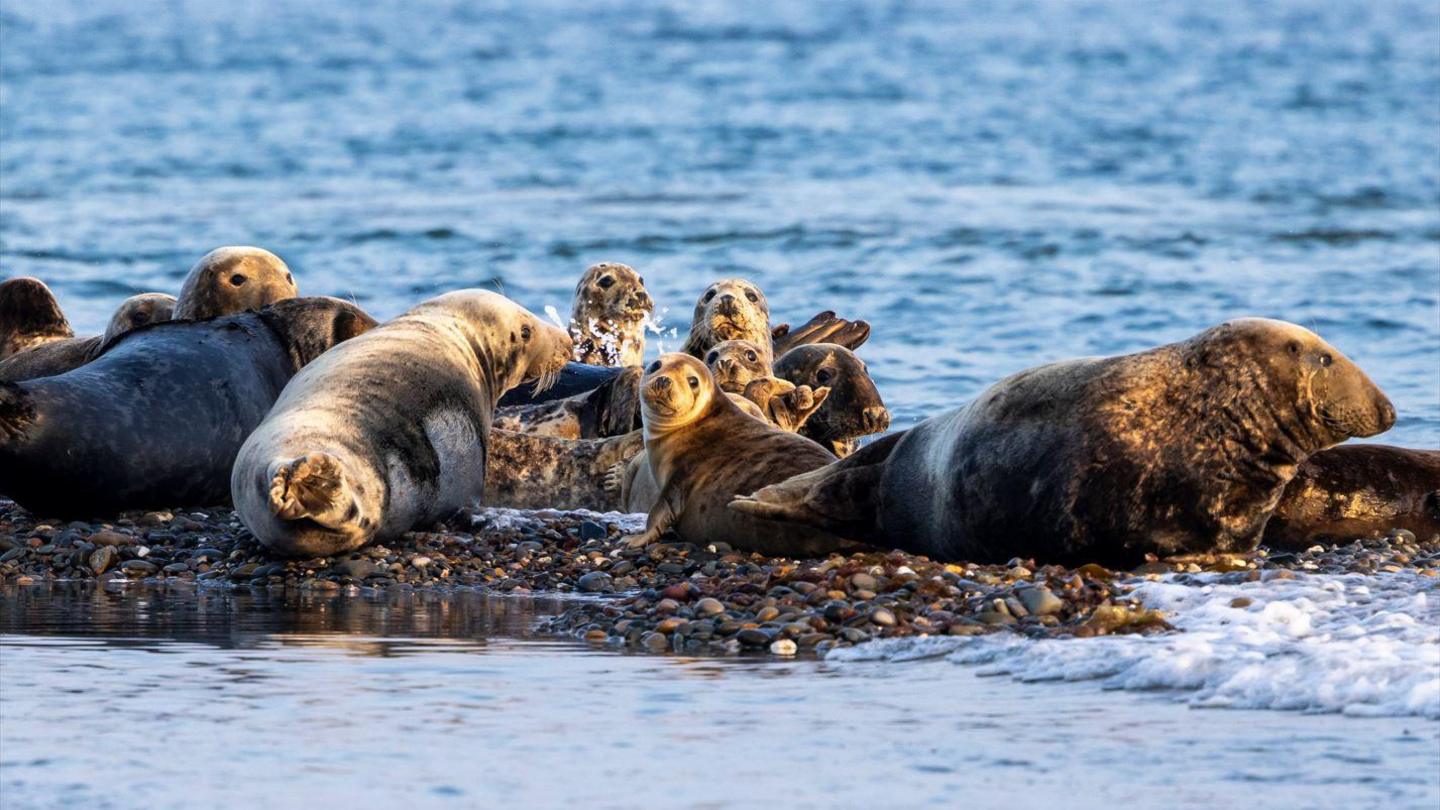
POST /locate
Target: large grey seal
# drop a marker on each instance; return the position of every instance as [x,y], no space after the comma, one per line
[29,316]
[730,309]
[60,356]
[233,279]
[157,418]
[1183,448]
[1358,491]
[612,409]
[388,431]
[704,452]
[525,471]
[854,407]
[607,320]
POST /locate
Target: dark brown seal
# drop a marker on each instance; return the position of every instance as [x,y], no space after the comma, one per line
[607,319]
[29,316]
[1183,448]
[854,408]
[157,418]
[704,451]
[1358,491]
[613,409]
[233,279]
[60,356]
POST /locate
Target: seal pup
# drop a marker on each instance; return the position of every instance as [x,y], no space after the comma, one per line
[29,316]
[233,279]
[389,431]
[524,471]
[854,408]
[730,309]
[704,451]
[740,370]
[612,409]
[735,363]
[607,320]
[157,418]
[60,356]
[1358,491]
[1182,448]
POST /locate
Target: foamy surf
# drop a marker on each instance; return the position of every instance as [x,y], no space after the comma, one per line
[1354,644]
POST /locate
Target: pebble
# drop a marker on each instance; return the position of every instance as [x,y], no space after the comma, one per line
[139,568]
[784,647]
[1040,601]
[596,582]
[709,606]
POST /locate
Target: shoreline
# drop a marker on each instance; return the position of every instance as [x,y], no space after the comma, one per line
[668,597]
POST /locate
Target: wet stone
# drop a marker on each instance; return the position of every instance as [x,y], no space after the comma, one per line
[596,582]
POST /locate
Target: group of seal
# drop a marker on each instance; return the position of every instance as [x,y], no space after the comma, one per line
[328,431]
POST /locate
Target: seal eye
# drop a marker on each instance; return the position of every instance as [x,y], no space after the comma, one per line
[525,332]
[711,357]
[236,280]
[606,282]
[752,356]
[654,367]
[1326,360]
[289,279]
[751,295]
[709,294]
[1294,347]
[823,375]
[642,280]
[694,382]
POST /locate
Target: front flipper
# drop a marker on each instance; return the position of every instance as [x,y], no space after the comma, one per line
[839,498]
[663,517]
[313,487]
[825,327]
[783,403]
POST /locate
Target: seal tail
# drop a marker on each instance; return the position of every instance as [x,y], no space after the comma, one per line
[312,487]
[17,411]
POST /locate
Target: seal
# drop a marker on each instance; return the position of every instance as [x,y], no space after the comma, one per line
[825,327]
[388,431]
[29,316]
[854,407]
[60,356]
[607,319]
[613,409]
[1358,491]
[156,420]
[704,451]
[735,363]
[233,279]
[1182,448]
[575,378]
[730,309]
[524,471]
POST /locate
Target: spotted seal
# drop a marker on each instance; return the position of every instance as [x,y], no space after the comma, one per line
[607,319]
[233,279]
[60,356]
[612,409]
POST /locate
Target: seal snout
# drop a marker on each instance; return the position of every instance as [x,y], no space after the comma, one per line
[876,418]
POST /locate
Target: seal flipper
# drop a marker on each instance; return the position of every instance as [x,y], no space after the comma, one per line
[825,327]
[838,498]
[312,487]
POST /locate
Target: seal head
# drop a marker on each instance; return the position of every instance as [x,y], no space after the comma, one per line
[233,279]
[735,363]
[608,316]
[29,316]
[730,309]
[854,407]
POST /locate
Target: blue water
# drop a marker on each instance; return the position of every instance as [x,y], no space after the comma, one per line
[992,184]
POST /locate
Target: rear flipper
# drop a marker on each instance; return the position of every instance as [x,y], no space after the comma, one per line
[840,498]
[17,411]
[312,487]
[825,327]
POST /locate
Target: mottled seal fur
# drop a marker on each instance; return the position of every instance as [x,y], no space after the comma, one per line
[29,316]
[730,309]
[233,279]
[607,320]
[612,409]
[60,356]
[704,451]
[854,408]
[735,363]
[524,471]
[1358,491]
[157,418]
[389,431]
[1183,448]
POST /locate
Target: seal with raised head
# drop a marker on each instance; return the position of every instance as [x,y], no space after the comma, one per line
[704,452]
[233,279]
[1182,448]
[1356,492]
[730,309]
[612,409]
[60,356]
[607,320]
[854,407]
[29,316]
[156,419]
[388,431]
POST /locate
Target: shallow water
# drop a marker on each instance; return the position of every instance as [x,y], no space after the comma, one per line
[175,699]
[992,184]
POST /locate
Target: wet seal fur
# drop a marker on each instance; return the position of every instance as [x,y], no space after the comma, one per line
[524,471]
[233,279]
[1183,448]
[612,409]
[29,316]
[854,407]
[156,419]
[60,356]
[704,451]
[389,431]
[607,320]
[1358,491]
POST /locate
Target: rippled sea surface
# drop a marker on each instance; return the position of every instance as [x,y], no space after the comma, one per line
[992,184]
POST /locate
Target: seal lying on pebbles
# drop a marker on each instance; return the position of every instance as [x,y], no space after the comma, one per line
[60,356]
[524,471]
[607,321]
[1186,447]
[613,409]
[233,279]
[1358,491]
[157,418]
[704,451]
[389,431]
[29,316]
[854,407]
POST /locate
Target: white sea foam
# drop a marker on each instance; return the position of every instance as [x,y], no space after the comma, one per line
[497,518]
[1359,645]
